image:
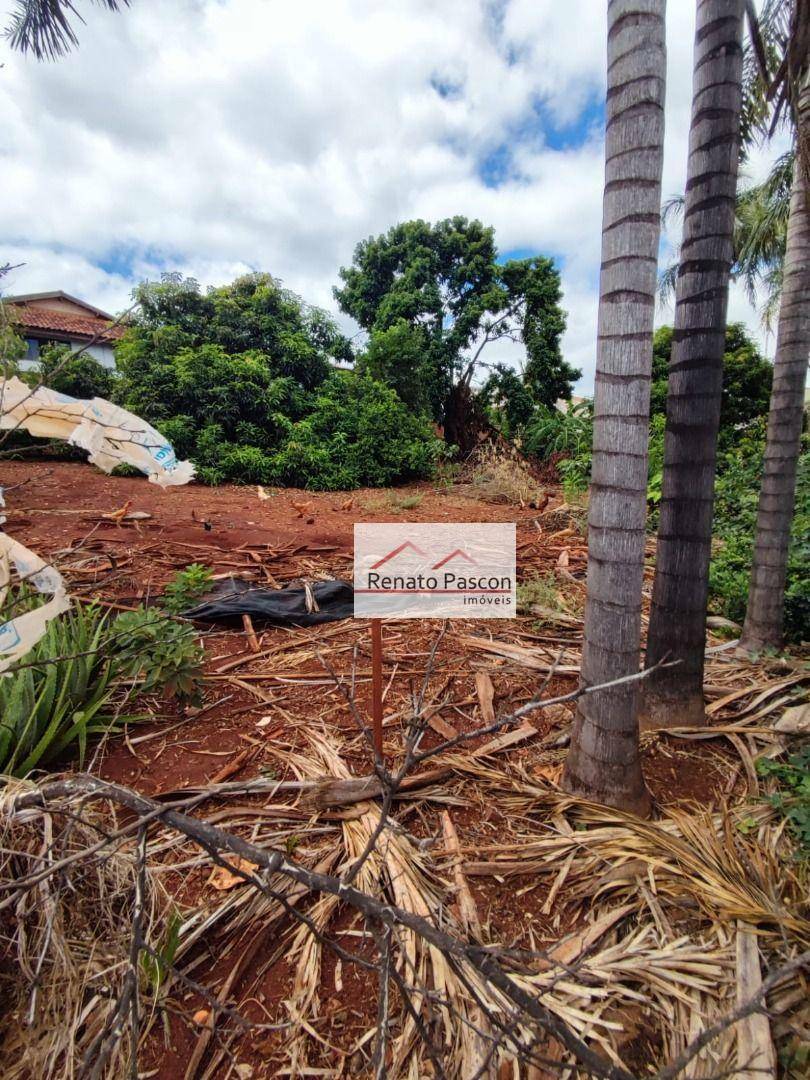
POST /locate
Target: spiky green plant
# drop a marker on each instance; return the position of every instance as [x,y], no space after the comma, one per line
[63,693]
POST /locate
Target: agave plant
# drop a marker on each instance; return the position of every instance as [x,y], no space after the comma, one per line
[62,695]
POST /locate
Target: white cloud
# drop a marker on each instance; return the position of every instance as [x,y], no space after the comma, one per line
[213,136]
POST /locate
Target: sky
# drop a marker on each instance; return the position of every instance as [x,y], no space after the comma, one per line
[214,137]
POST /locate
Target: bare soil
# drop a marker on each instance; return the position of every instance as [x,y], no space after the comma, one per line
[56,508]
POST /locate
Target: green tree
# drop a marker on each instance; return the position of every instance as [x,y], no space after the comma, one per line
[444,281]
[12,344]
[239,379]
[747,378]
[508,400]
[397,356]
[760,235]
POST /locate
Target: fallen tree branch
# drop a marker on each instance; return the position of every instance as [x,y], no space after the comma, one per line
[214,841]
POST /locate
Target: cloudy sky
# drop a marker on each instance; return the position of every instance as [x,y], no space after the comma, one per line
[218,136]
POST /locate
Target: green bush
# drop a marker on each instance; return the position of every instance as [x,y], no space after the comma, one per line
[160,653]
[239,380]
[80,377]
[552,431]
[359,434]
[735,513]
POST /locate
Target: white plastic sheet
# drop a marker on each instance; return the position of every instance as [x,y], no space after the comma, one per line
[109,434]
[19,634]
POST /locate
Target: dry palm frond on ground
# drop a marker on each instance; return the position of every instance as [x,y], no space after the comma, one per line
[65,942]
[655,915]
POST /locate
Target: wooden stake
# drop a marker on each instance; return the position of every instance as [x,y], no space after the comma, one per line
[376,686]
[253,641]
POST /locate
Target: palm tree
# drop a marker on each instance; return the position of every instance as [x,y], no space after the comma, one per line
[674,695]
[760,234]
[790,87]
[44,27]
[603,763]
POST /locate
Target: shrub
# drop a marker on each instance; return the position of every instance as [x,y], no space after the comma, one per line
[239,381]
[159,652]
[80,377]
[735,511]
[185,587]
[358,434]
[553,431]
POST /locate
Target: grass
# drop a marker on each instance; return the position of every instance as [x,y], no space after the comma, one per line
[499,476]
[404,502]
[541,595]
[538,589]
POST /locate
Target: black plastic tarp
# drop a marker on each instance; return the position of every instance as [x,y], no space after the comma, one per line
[232,598]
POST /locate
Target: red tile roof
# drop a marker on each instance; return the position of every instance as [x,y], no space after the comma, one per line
[61,322]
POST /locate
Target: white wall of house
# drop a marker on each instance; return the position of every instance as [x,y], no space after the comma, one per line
[103,353]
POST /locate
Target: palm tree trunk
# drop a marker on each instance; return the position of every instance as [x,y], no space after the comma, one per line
[603,763]
[677,630]
[766,597]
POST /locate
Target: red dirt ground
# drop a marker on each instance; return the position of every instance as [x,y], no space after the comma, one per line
[54,509]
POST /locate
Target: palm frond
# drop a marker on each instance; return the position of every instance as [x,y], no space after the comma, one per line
[666,281]
[776,59]
[45,27]
[760,232]
[672,208]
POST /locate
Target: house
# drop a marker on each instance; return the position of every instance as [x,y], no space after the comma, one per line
[43,318]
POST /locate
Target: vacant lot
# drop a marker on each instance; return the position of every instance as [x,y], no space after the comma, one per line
[289,713]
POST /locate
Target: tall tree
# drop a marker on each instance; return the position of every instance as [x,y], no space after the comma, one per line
[440,290]
[760,234]
[764,615]
[677,630]
[603,763]
[747,378]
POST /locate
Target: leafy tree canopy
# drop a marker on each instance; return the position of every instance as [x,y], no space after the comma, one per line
[433,296]
[12,344]
[508,400]
[239,379]
[254,313]
[747,377]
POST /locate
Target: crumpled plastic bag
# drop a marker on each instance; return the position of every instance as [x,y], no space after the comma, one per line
[19,635]
[109,434]
[230,598]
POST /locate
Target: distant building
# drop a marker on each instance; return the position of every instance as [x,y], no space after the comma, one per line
[564,406]
[48,317]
